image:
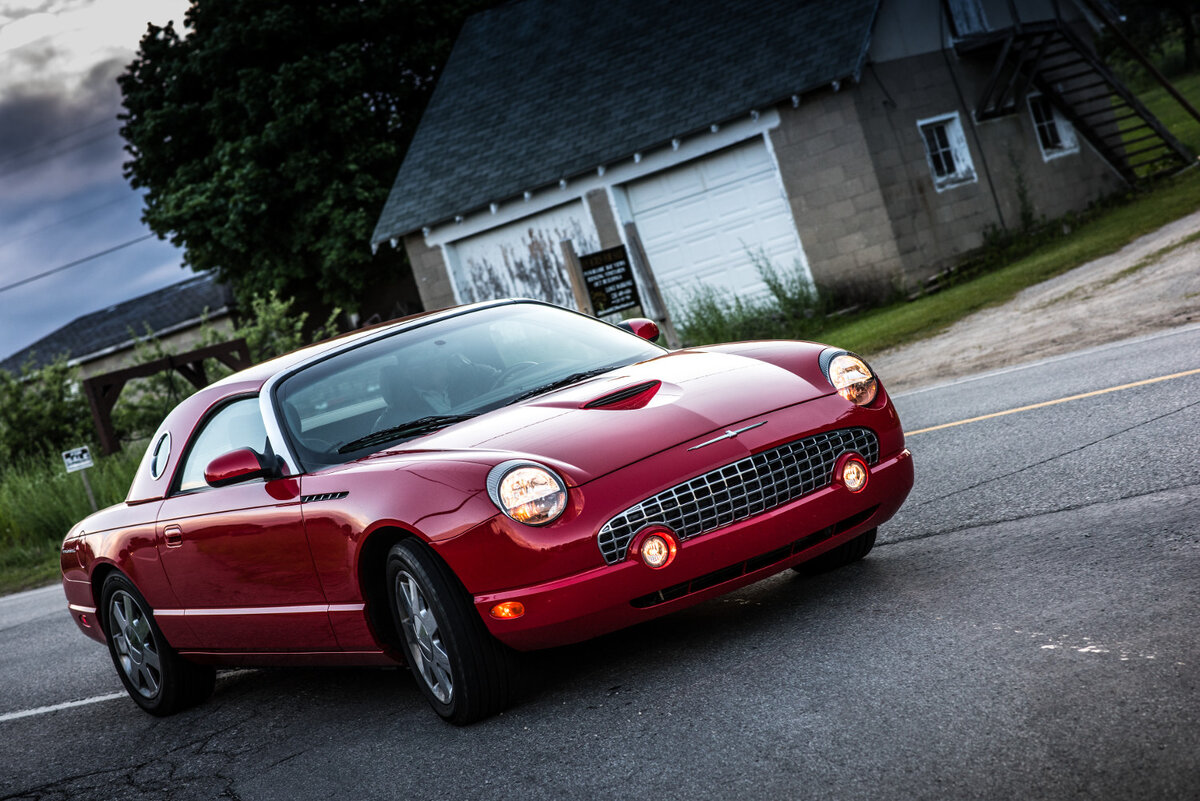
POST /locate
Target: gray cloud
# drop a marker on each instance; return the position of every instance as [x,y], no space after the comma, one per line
[63,197]
[62,194]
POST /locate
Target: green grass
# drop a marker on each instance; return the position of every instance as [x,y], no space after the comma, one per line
[40,501]
[1167,109]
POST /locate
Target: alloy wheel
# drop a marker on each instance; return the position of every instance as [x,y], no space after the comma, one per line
[426,650]
[137,651]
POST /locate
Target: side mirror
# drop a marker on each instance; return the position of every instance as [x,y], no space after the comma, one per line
[646,329]
[240,465]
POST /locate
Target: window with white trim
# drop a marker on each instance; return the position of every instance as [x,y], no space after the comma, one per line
[1056,136]
[946,151]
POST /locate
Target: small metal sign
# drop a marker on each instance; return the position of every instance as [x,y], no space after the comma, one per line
[77,459]
[608,276]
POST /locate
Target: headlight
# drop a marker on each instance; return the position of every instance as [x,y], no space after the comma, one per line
[851,377]
[527,492]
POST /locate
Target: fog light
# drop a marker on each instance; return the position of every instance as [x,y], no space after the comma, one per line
[657,550]
[509,610]
[854,473]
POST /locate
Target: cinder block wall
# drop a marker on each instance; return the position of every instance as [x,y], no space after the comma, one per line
[934,229]
[840,212]
[864,201]
[431,273]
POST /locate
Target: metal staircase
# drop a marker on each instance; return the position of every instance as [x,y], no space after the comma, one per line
[1049,58]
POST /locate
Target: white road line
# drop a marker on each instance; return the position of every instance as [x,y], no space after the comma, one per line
[42,710]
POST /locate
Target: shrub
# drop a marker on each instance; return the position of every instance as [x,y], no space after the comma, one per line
[42,411]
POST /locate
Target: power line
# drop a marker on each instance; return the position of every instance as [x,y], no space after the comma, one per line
[60,152]
[75,263]
[125,196]
[34,148]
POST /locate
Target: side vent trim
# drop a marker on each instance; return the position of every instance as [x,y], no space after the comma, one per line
[327,496]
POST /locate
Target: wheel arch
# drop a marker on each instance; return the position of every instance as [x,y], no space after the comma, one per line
[372,579]
[99,575]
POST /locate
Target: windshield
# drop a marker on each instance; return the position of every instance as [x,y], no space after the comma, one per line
[417,381]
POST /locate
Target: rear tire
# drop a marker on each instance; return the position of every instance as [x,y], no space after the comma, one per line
[463,671]
[840,556]
[156,677]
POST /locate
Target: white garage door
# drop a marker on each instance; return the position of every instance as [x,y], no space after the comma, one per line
[523,259]
[701,221]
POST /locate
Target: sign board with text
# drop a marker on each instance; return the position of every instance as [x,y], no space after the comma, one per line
[608,276]
[77,459]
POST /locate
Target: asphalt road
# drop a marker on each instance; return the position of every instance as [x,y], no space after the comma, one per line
[1026,628]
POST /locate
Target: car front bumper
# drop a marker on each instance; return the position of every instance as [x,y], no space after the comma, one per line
[596,601]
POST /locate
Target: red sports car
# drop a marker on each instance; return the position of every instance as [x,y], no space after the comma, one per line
[448,488]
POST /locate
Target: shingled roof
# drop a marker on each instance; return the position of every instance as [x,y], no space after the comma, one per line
[114,328]
[540,90]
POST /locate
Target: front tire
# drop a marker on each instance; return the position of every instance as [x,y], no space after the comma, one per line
[840,556]
[464,672]
[156,677]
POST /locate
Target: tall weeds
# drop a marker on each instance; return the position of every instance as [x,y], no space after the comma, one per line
[793,309]
[40,501]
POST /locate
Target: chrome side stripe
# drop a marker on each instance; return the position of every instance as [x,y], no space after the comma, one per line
[310,609]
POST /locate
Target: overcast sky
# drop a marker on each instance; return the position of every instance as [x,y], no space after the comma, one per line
[62,195]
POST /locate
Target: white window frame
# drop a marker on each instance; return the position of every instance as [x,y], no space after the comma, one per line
[951,146]
[1057,123]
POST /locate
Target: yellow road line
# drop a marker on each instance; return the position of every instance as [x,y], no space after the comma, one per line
[1052,402]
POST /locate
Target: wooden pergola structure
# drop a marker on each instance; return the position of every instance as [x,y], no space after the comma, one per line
[103,390]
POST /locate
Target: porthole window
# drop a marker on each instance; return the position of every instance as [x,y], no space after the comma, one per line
[162,453]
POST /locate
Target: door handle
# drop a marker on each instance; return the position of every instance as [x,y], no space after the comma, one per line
[174,536]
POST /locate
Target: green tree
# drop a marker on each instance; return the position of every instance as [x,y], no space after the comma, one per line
[1153,25]
[268,135]
[42,411]
[271,328]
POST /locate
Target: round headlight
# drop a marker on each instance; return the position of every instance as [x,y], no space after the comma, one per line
[527,492]
[852,379]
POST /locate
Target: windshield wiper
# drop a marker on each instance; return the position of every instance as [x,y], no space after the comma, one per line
[573,378]
[422,425]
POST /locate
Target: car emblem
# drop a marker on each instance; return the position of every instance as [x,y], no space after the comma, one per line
[727,435]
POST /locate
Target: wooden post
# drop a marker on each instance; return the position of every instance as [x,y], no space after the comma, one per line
[575,273]
[88,486]
[650,284]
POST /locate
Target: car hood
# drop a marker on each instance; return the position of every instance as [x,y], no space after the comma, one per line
[605,423]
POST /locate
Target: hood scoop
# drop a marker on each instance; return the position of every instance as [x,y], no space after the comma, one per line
[631,397]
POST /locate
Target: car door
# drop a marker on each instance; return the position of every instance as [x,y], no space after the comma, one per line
[237,556]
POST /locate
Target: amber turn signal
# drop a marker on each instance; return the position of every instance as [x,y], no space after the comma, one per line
[509,610]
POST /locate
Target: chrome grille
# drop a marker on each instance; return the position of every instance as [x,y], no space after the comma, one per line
[740,490]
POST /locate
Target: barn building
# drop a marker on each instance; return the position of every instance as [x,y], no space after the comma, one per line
[866,143]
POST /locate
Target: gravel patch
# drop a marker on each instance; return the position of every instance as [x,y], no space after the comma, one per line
[1151,284]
